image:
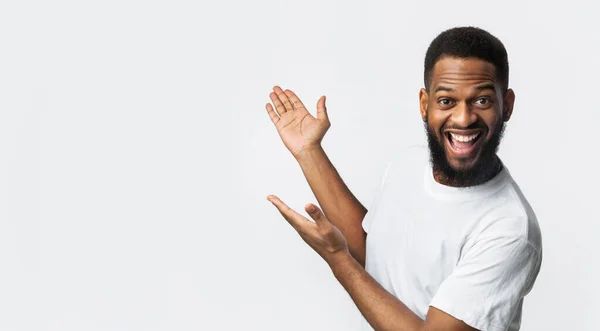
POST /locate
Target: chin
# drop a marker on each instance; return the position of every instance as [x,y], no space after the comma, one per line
[462,164]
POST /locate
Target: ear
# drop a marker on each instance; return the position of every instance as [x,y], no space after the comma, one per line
[509,102]
[423,101]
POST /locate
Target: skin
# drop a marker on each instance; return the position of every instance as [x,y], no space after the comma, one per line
[302,134]
[460,92]
[380,308]
[465,97]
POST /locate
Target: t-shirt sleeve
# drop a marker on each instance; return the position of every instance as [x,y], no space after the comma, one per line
[367,220]
[489,282]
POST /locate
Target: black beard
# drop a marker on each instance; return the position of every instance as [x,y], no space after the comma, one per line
[483,170]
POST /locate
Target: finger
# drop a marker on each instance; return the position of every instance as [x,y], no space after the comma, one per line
[283,98]
[295,101]
[322,109]
[277,103]
[295,219]
[316,214]
[272,114]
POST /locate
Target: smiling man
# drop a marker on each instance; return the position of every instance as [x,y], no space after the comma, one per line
[450,243]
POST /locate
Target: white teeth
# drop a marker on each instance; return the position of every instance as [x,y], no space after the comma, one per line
[462,138]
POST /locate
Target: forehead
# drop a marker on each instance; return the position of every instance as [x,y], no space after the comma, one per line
[462,71]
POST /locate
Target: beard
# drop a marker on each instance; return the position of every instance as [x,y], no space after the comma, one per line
[481,171]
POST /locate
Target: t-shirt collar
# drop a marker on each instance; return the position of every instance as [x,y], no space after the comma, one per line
[444,192]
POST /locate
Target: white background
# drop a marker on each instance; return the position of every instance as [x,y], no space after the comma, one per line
[136,154]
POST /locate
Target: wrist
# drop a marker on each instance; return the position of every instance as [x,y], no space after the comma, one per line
[340,261]
[308,152]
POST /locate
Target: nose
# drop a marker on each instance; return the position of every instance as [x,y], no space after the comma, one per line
[464,115]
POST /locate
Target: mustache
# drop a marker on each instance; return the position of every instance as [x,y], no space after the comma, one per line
[474,126]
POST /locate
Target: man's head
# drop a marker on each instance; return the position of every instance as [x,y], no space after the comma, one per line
[465,104]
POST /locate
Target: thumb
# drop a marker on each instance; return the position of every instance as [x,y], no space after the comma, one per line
[315,213]
[321,109]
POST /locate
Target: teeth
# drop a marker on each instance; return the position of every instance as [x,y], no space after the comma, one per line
[462,138]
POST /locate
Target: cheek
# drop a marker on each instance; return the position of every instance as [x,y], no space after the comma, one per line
[436,121]
[494,124]
[435,130]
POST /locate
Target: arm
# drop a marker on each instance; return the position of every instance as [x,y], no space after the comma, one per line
[380,308]
[338,203]
[302,134]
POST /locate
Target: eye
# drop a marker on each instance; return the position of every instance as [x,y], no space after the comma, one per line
[445,102]
[483,101]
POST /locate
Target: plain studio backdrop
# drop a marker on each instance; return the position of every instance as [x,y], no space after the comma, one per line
[136,154]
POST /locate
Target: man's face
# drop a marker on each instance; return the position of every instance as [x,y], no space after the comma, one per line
[464,113]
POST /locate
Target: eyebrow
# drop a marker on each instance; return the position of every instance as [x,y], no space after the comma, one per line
[443,88]
[487,86]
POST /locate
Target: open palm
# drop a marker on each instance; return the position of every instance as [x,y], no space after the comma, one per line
[296,126]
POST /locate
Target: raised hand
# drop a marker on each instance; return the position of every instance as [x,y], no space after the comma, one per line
[298,129]
[327,240]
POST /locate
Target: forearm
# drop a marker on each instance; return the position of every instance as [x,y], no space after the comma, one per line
[380,308]
[339,204]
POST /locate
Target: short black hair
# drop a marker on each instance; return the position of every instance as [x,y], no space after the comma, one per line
[464,42]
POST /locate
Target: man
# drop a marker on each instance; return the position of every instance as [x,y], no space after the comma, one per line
[451,242]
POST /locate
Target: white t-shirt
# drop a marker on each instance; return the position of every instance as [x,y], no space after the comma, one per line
[473,252]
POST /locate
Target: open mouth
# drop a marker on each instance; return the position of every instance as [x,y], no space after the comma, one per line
[463,145]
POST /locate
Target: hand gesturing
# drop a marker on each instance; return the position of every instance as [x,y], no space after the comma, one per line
[326,239]
[297,128]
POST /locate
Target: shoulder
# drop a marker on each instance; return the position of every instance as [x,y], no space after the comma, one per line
[511,216]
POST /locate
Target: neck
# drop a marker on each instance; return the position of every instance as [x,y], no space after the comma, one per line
[483,175]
